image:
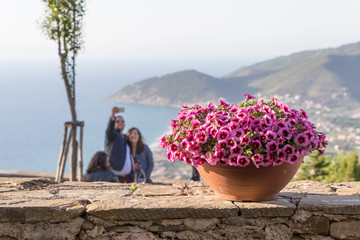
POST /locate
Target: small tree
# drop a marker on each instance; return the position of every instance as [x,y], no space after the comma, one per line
[315,169]
[63,24]
[345,167]
[341,167]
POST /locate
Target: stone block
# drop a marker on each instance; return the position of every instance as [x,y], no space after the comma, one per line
[161,228]
[301,215]
[93,196]
[156,190]
[307,187]
[201,224]
[186,235]
[348,188]
[278,232]
[55,210]
[171,222]
[317,225]
[42,230]
[87,225]
[277,208]
[345,230]
[314,237]
[333,204]
[162,207]
[24,195]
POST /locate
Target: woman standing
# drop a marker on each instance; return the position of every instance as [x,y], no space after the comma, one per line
[141,156]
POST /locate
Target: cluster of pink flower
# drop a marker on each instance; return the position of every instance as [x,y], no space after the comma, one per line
[266,133]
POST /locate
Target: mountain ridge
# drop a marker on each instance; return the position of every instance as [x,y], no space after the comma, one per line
[317,75]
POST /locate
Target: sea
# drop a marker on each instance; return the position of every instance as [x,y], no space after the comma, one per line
[34,107]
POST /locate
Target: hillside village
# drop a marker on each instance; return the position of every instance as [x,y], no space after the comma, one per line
[325,83]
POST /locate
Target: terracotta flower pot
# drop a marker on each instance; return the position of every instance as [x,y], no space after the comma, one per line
[248,183]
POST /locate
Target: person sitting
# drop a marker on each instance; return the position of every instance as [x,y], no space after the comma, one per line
[99,169]
[141,156]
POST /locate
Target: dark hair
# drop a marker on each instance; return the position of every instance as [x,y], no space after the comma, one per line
[98,161]
[119,116]
[140,144]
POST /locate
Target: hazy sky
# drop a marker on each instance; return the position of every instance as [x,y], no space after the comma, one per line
[187,30]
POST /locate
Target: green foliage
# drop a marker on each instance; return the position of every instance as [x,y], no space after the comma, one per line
[341,167]
[316,168]
[345,168]
[133,187]
[63,23]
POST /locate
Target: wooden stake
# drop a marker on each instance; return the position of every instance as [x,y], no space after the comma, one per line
[73,155]
[61,154]
[63,161]
[80,173]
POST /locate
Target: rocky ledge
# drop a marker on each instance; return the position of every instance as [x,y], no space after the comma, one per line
[38,208]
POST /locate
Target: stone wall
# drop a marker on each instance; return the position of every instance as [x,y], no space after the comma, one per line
[37,208]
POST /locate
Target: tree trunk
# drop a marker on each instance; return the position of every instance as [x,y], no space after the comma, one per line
[71,100]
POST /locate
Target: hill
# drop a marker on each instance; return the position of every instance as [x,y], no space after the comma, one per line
[326,76]
[174,89]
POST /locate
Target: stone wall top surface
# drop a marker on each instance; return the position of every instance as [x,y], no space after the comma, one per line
[40,199]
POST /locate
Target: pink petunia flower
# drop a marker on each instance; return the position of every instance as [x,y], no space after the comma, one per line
[233,109]
[222,135]
[245,140]
[212,130]
[285,133]
[221,121]
[237,150]
[292,159]
[201,137]
[288,149]
[248,96]
[255,124]
[303,113]
[211,159]
[243,161]
[237,133]
[231,143]
[268,160]
[278,161]
[271,135]
[223,144]
[233,159]
[281,154]
[302,139]
[224,161]
[280,140]
[185,144]
[234,125]
[190,137]
[220,154]
[195,148]
[255,145]
[224,104]
[310,134]
[162,141]
[174,147]
[272,146]
[257,159]
[263,138]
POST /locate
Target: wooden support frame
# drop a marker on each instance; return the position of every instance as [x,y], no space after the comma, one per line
[69,130]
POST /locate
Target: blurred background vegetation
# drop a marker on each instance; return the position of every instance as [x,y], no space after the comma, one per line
[332,168]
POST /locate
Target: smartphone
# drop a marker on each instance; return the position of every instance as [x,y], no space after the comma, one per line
[121,109]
